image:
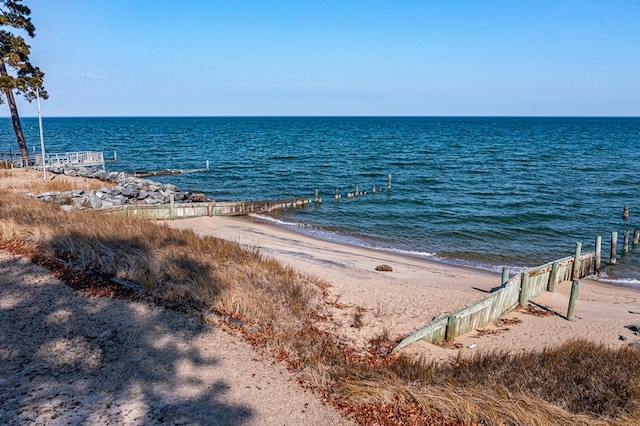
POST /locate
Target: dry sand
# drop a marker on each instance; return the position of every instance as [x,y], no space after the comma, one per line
[71,359]
[416,290]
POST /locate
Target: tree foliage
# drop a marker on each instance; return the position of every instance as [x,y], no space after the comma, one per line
[17,74]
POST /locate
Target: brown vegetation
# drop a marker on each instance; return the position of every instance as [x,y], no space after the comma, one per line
[283,312]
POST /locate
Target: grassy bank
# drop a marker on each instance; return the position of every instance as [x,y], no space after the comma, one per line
[287,314]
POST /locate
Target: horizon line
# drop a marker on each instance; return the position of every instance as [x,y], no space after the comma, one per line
[331,116]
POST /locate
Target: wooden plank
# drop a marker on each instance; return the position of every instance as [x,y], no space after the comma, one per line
[538,283]
[469,318]
[433,332]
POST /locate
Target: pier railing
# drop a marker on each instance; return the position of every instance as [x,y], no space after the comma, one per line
[514,291]
[186,210]
[73,159]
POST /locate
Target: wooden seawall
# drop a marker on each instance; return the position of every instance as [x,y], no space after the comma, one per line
[187,210]
[513,292]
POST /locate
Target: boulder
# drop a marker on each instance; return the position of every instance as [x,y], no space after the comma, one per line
[95,200]
[384,268]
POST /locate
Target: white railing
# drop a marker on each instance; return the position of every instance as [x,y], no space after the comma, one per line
[81,159]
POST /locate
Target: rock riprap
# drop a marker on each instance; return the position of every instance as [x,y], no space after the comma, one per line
[128,190]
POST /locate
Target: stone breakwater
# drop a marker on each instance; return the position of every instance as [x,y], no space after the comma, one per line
[127,190]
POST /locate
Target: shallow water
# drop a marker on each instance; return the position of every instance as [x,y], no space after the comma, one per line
[483,192]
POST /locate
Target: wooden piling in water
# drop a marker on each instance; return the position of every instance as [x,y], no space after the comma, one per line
[357,190]
[625,244]
[636,236]
[373,190]
[207,165]
[389,183]
[575,272]
[338,196]
[614,243]
[575,287]
[598,255]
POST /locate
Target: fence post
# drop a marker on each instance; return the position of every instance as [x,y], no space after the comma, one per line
[625,244]
[505,275]
[575,273]
[614,243]
[598,255]
[636,236]
[575,286]
[553,278]
[172,207]
[522,298]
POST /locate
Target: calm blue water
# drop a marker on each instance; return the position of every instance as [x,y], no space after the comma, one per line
[484,192]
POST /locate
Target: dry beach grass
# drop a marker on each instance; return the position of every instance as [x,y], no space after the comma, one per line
[290,316]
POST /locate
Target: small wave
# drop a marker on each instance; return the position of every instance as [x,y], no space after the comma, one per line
[279,222]
[411,253]
[474,264]
[625,282]
[339,238]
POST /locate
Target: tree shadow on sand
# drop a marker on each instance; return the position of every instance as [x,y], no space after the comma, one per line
[71,359]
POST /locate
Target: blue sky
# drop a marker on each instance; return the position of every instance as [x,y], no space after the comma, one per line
[292,58]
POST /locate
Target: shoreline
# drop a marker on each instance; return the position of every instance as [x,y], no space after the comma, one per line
[399,302]
[417,289]
[469,264]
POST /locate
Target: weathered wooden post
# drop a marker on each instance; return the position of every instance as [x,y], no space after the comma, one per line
[451,329]
[575,286]
[553,278]
[115,156]
[207,164]
[357,190]
[575,272]
[316,196]
[598,255]
[389,183]
[625,243]
[636,236]
[505,275]
[172,207]
[337,194]
[614,243]
[524,289]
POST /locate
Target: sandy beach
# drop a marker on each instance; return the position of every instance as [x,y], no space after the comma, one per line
[74,358]
[416,290]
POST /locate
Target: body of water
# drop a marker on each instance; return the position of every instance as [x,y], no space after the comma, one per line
[482,192]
